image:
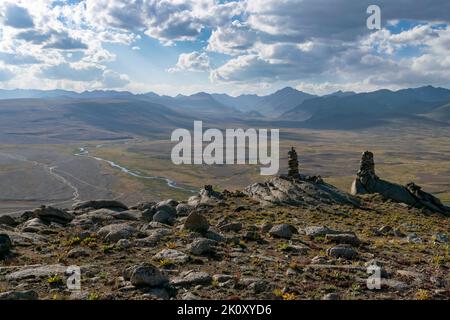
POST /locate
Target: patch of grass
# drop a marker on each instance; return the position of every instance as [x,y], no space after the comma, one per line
[72,241]
[55,281]
[164,263]
[106,249]
[423,294]
[93,296]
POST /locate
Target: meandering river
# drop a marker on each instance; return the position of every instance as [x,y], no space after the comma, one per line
[83,152]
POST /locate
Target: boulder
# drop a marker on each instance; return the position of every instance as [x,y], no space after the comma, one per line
[5,244]
[129,215]
[343,238]
[145,275]
[196,222]
[7,220]
[19,295]
[34,225]
[164,216]
[100,204]
[115,232]
[201,246]
[284,231]
[190,278]
[318,231]
[172,255]
[342,251]
[50,214]
[40,272]
[183,209]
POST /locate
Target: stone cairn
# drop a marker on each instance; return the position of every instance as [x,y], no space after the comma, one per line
[366,172]
[293,163]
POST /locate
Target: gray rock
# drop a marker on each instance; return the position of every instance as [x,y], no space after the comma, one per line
[190,296]
[413,238]
[39,272]
[170,202]
[34,225]
[222,278]
[213,235]
[202,246]
[196,222]
[100,204]
[343,238]
[342,251]
[93,218]
[284,231]
[5,244]
[146,275]
[115,232]
[163,216]
[7,220]
[19,295]
[172,255]
[79,252]
[183,210]
[130,215]
[259,286]
[192,278]
[123,244]
[50,214]
[440,238]
[227,226]
[331,296]
[318,231]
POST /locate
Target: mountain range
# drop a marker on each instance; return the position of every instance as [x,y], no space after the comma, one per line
[340,110]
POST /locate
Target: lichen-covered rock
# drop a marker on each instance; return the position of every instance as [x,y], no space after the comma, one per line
[115,232]
[172,255]
[201,246]
[282,190]
[284,231]
[196,222]
[145,275]
[51,214]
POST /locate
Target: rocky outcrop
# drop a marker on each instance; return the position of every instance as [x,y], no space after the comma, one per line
[100,204]
[367,182]
[206,196]
[304,190]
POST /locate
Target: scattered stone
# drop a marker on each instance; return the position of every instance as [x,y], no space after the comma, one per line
[164,216]
[115,232]
[129,215]
[196,222]
[7,220]
[50,214]
[342,251]
[331,296]
[79,252]
[192,278]
[183,210]
[251,235]
[284,231]
[145,275]
[297,249]
[34,225]
[201,246]
[213,235]
[123,244]
[319,260]
[413,238]
[19,295]
[227,226]
[343,238]
[5,244]
[100,204]
[190,296]
[386,230]
[440,238]
[39,272]
[222,278]
[318,231]
[172,255]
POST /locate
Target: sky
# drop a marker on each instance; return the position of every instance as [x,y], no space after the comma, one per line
[241,46]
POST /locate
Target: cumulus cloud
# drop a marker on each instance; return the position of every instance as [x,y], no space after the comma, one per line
[194,61]
[112,80]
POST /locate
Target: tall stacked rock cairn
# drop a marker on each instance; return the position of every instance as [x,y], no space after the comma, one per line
[367,182]
[293,164]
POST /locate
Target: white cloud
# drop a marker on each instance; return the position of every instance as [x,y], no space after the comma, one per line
[194,61]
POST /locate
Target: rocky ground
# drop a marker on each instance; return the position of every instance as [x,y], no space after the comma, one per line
[280,240]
